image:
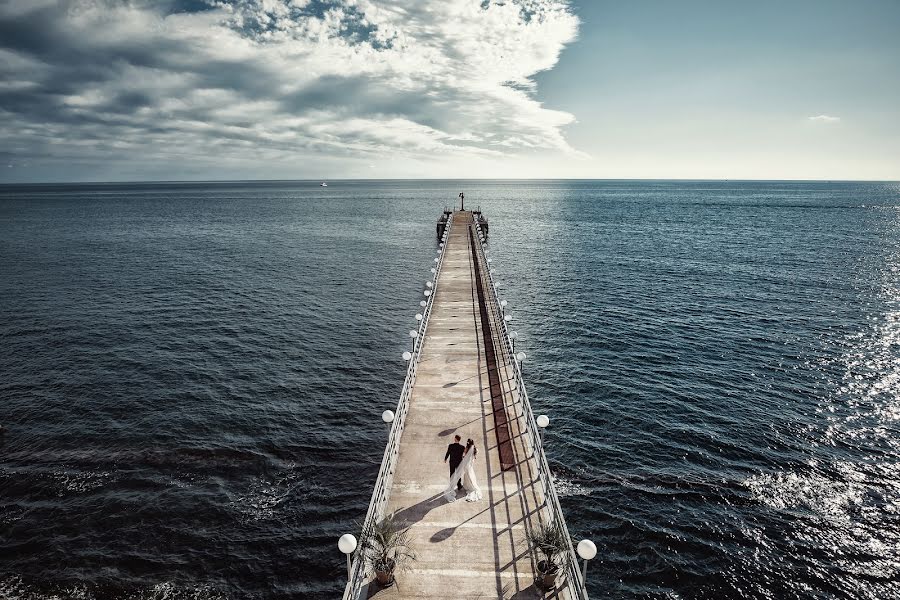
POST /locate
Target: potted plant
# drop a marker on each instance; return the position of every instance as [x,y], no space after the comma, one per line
[387,549]
[550,541]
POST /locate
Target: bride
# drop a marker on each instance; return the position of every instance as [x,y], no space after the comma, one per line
[465,472]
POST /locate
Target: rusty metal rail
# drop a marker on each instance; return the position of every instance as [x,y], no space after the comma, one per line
[531,434]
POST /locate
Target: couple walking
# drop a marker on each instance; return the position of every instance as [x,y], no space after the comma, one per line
[462,470]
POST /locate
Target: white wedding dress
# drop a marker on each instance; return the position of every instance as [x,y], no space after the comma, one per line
[465,472]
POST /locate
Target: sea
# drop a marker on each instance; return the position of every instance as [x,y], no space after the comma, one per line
[192,377]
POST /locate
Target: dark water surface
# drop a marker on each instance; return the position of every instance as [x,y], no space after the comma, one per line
[192,375]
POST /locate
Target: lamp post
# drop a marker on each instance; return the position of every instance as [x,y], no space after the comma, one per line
[514,335]
[542,422]
[347,545]
[413,334]
[503,304]
[422,303]
[521,356]
[407,355]
[586,550]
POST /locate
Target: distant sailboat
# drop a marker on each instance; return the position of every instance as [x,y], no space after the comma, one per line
[323,184]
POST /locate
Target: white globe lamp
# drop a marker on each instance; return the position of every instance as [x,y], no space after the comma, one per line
[347,545]
[542,422]
[587,551]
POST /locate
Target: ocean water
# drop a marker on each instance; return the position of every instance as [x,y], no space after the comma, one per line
[192,377]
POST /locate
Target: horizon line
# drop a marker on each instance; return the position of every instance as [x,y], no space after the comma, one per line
[387,179]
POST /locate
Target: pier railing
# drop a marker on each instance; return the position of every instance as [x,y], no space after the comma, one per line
[572,573]
[358,571]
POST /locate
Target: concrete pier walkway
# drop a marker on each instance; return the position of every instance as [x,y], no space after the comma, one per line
[466,549]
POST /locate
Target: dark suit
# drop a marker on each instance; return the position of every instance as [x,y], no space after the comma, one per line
[455,454]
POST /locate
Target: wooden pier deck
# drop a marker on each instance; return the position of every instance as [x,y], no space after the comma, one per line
[479,549]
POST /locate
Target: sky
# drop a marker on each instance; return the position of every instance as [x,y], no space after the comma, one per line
[101,90]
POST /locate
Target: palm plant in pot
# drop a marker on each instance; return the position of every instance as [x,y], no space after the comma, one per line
[387,549]
[550,541]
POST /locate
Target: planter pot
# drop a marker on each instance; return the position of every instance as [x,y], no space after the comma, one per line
[386,578]
[547,573]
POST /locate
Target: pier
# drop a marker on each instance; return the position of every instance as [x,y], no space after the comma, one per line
[464,378]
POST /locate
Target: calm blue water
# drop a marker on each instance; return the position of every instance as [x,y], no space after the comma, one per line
[191,376]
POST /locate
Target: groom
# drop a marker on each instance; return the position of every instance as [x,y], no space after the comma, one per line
[455,454]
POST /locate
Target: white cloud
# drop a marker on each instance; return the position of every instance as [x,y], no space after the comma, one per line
[824,119]
[280,80]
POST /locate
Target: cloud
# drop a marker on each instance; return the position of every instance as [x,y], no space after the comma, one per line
[824,119]
[149,85]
